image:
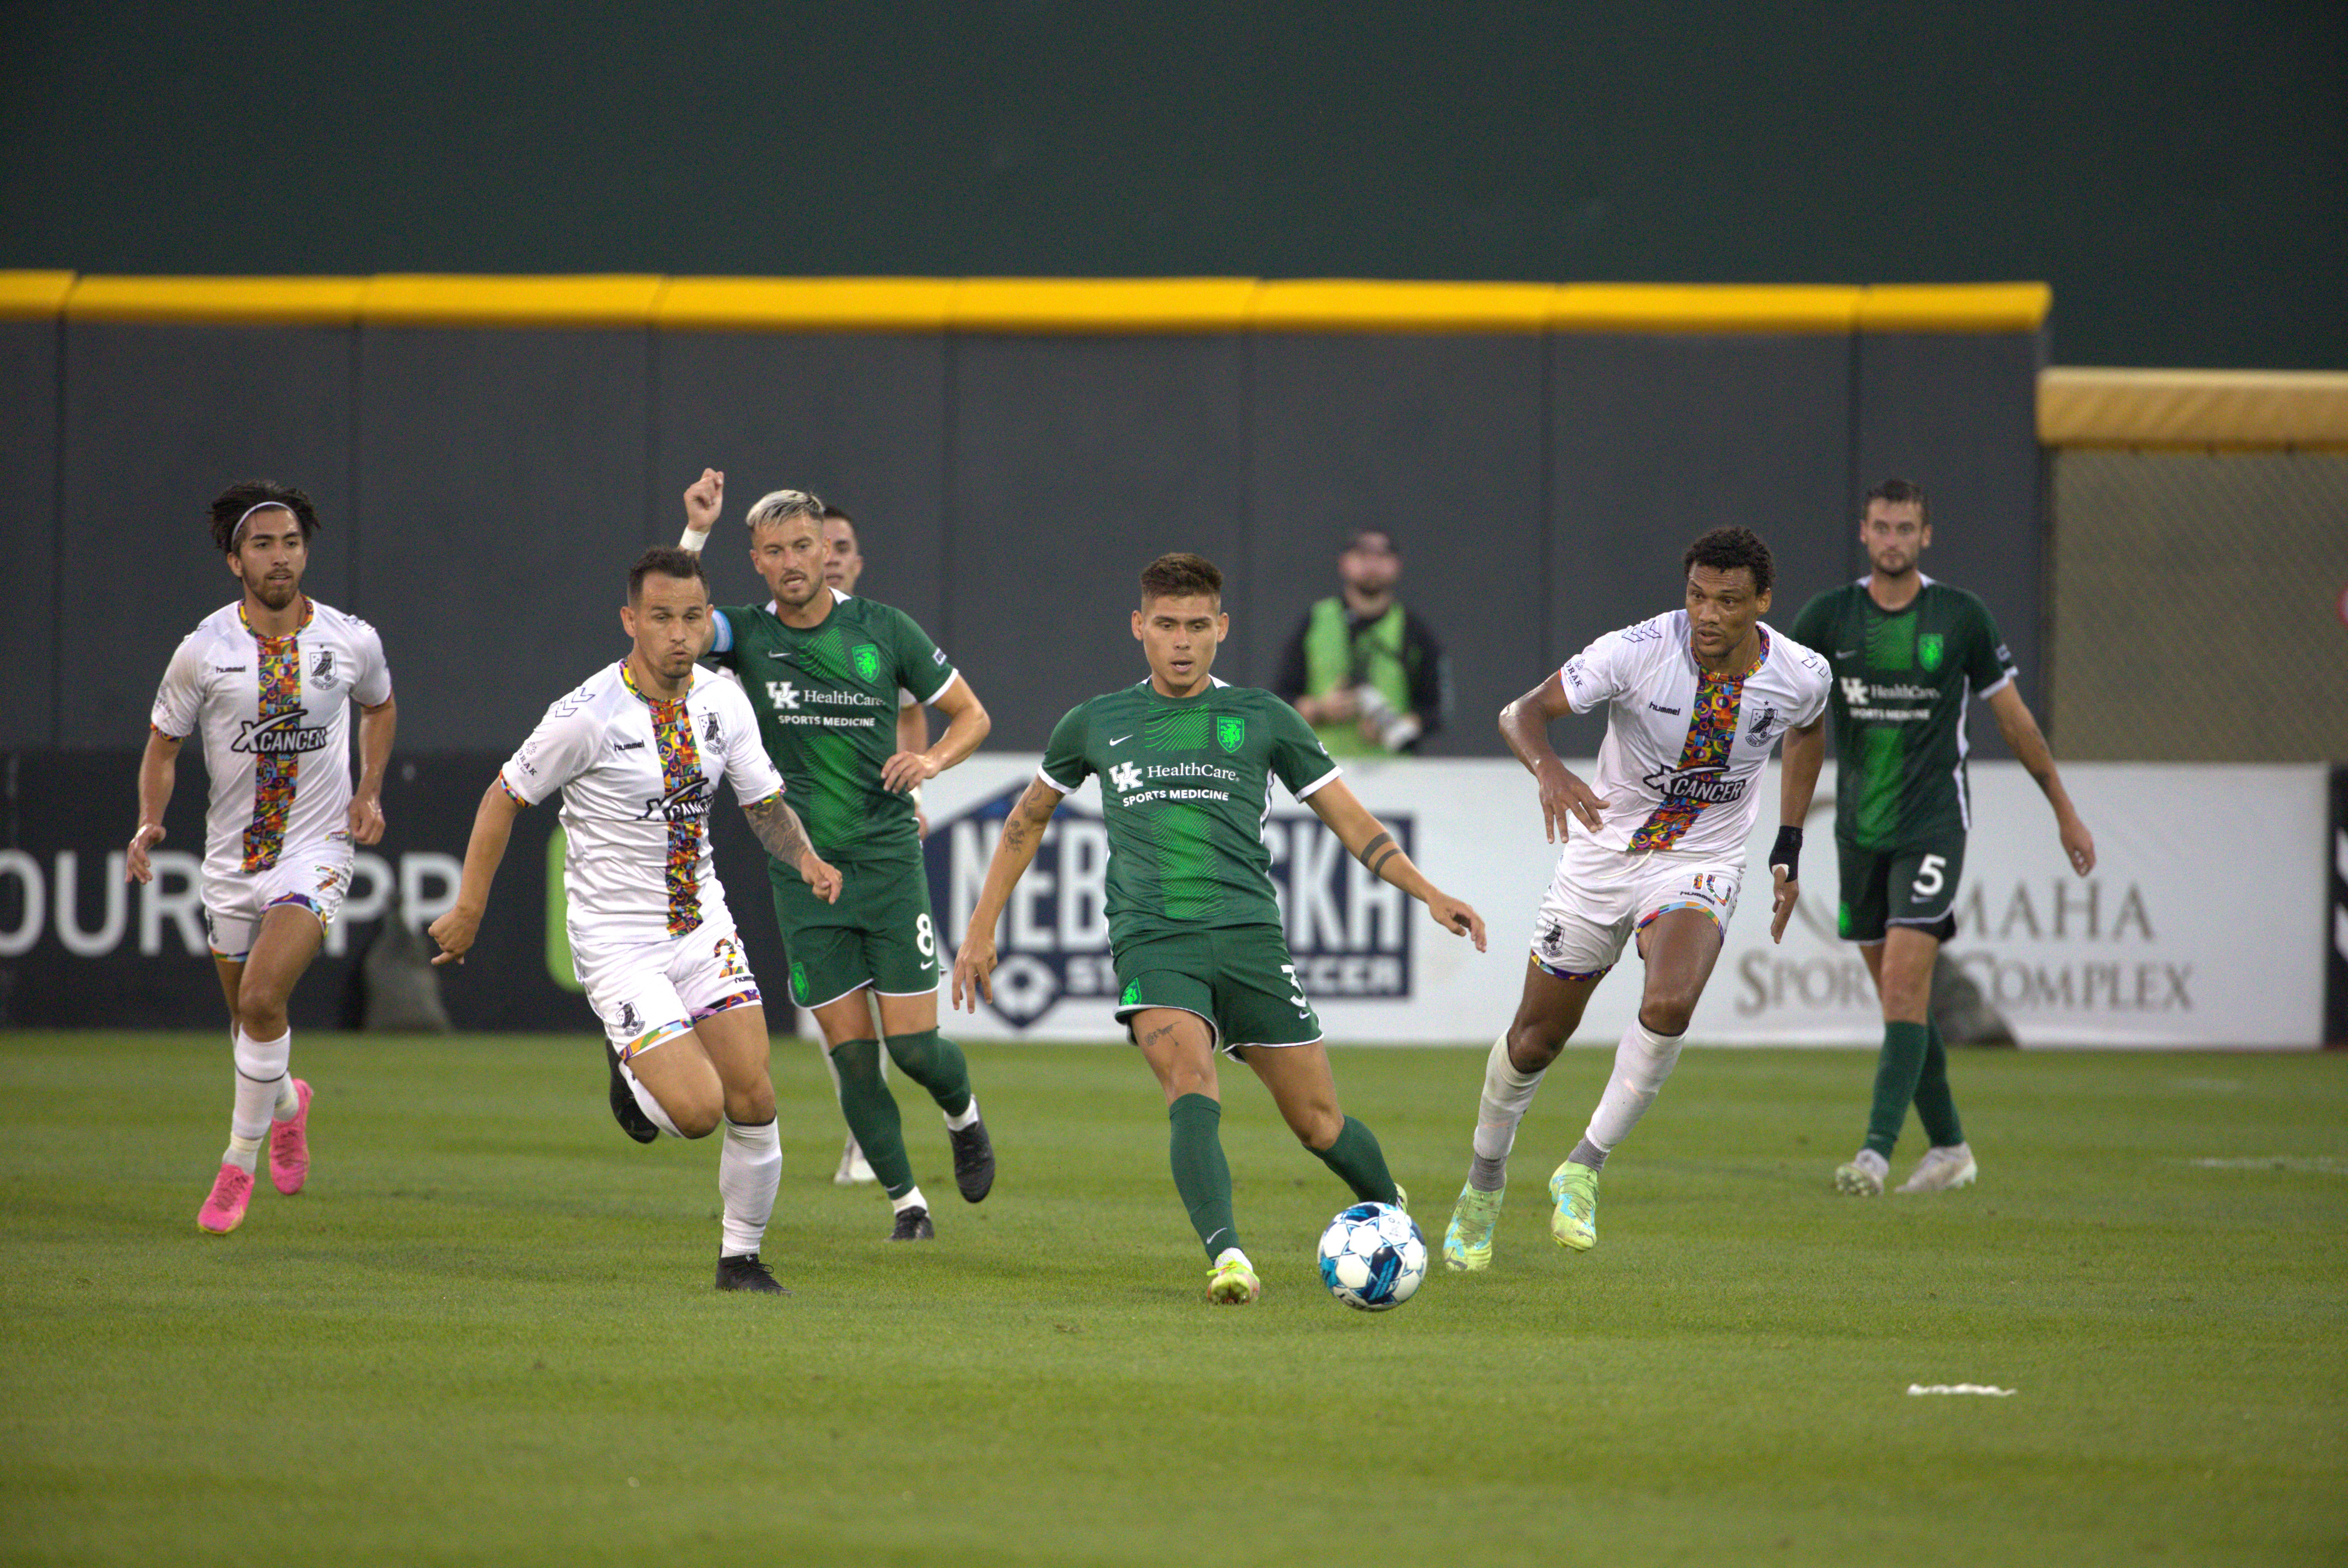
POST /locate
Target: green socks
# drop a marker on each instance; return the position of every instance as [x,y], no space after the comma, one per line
[1202,1177]
[872,1113]
[1897,1069]
[937,1065]
[1360,1163]
[1936,1107]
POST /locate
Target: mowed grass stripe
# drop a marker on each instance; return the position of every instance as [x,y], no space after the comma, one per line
[487,1333]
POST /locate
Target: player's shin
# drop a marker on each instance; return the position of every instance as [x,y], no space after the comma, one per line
[1360,1164]
[1936,1107]
[871,1114]
[1897,1069]
[261,1076]
[1202,1176]
[1507,1095]
[750,1168]
[1642,1060]
[937,1064]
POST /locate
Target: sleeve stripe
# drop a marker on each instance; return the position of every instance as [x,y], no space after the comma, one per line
[943,687]
[175,739]
[510,790]
[1328,778]
[1997,685]
[1055,783]
[721,639]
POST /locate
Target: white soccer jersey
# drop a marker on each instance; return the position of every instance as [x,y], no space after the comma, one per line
[637,778]
[275,716]
[1684,749]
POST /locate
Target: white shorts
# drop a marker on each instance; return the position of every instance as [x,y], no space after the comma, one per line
[1599,896]
[315,876]
[649,992]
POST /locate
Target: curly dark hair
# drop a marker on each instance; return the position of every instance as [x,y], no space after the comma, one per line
[230,506]
[1181,575]
[665,560]
[1726,549]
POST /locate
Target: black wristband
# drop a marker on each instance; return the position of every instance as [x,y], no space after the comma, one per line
[1787,852]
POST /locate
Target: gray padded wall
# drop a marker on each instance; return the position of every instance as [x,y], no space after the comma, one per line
[860,419]
[1437,438]
[157,421]
[28,501]
[1958,414]
[1075,461]
[506,490]
[1658,438]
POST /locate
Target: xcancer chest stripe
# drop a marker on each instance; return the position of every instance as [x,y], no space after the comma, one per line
[1711,738]
[279,661]
[680,760]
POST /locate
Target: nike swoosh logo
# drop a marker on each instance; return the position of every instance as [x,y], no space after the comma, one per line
[1121,739]
[1839,652]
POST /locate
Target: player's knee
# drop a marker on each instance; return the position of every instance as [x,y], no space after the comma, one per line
[261,1013]
[1533,1043]
[696,1116]
[1668,1012]
[749,1105]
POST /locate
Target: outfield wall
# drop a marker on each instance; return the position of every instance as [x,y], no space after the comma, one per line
[2183,936]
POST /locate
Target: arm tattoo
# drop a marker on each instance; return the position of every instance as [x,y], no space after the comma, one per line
[1378,851]
[777,827]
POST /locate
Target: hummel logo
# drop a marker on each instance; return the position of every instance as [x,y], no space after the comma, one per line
[627,746]
[1121,739]
[230,669]
[1659,707]
[1126,777]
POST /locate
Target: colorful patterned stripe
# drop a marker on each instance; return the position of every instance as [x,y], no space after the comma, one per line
[749,999]
[1711,738]
[274,773]
[680,760]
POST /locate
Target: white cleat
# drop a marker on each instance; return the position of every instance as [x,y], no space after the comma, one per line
[1941,1169]
[1863,1177]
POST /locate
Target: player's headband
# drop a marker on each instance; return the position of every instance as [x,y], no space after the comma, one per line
[236,534]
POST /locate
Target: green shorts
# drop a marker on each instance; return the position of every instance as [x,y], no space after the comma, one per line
[1241,981]
[1914,884]
[879,934]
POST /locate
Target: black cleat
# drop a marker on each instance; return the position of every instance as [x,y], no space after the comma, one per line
[974,1154]
[914,1225]
[624,1108]
[745,1272]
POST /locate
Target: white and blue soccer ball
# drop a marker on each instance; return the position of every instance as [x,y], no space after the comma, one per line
[1373,1257]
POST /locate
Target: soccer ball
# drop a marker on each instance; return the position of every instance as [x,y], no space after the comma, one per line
[1373,1257]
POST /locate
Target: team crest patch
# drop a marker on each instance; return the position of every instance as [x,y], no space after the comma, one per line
[798,982]
[1928,648]
[322,672]
[1132,994]
[867,659]
[1230,731]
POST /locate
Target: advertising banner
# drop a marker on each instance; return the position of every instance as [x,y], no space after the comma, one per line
[2204,922]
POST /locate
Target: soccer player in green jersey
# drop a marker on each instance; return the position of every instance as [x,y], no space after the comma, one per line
[1186,765]
[1909,657]
[823,671]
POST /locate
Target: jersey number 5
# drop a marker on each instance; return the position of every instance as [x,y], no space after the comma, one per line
[1928,875]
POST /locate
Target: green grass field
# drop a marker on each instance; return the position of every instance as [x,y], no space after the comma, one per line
[486,1333]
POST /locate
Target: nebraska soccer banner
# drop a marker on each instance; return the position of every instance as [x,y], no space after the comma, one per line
[2204,924]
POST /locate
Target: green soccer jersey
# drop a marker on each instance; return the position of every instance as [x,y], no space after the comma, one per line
[1903,683]
[827,704]
[1185,785]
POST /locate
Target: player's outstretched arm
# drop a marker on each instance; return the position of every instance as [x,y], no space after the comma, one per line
[1524,725]
[780,830]
[1023,835]
[1367,841]
[2028,743]
[966,726]
[159,769]
[1797,781]
[492,830]
[377,725]
[705,498]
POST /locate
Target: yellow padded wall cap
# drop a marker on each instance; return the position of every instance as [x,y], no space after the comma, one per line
[224,301]
[1352,305]
[1706,308]
[1102,305]
[32,296]
[1955,307]
[807,304]
[2248,409]
[424,299]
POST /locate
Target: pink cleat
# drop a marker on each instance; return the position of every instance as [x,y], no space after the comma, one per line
[224,1210]
[289,1146]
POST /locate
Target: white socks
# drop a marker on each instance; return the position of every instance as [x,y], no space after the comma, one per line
[911,1199]
[750,1168]
[1508,1094]
[263,1087]
[647,1102]
[1642,1062]
[969,1114]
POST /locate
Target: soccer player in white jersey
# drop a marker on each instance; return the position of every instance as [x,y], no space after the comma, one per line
[269,681]
[638,752]
[1694,702]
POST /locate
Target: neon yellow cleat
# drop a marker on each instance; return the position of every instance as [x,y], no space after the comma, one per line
[1232,1282]
[1468,1240]
[1863,1177]
[1574,1188]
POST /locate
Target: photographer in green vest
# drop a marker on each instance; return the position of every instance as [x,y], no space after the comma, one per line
[1364,672]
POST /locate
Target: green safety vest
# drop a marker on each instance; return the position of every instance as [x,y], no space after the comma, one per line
[1337,656]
